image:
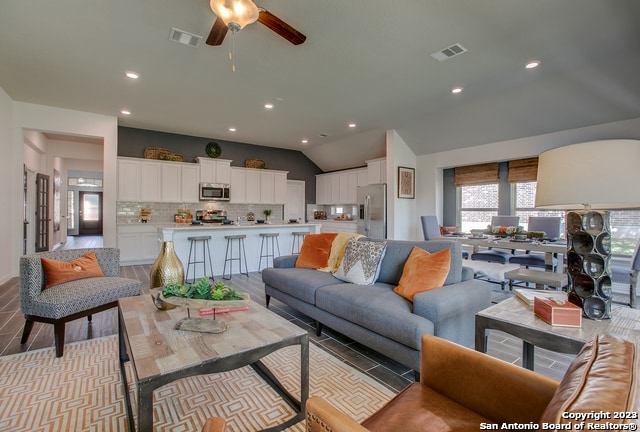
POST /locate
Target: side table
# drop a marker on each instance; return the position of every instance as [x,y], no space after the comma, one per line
[512,316]
[540,278]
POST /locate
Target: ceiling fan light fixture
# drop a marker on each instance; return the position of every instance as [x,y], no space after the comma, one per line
[236,14]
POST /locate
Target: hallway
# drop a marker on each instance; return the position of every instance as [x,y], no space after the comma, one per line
[81,242]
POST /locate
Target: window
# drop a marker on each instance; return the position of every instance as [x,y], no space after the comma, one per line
[524,198]
[477,203]
[625,231]
[86,182]
[71,216]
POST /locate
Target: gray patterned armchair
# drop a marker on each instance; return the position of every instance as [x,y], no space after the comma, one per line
[70,300]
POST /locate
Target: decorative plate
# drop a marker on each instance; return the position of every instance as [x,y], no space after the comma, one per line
[213,149]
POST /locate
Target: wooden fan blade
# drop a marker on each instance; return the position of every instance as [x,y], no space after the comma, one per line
[218,32]
[282,28]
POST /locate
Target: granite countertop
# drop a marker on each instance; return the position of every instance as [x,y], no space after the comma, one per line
[230,226]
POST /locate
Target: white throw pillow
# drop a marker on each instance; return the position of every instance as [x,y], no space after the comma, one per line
[361,262]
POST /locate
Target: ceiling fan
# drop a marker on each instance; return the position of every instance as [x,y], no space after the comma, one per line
[234,15]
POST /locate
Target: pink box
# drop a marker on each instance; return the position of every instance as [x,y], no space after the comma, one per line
[558,312]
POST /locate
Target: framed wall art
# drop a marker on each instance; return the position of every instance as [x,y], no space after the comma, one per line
[406,182]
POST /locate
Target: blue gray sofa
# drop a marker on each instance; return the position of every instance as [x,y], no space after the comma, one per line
[376,316]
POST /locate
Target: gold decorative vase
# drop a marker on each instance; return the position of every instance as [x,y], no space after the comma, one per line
[167,268]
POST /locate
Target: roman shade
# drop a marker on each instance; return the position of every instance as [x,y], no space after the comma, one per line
[523,170]
[476,174]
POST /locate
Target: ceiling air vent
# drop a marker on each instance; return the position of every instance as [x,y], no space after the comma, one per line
[447,53]
[184,37]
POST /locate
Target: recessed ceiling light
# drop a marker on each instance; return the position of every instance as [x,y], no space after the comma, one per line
[456,90]
[352,125]
[132,75]
[125,112]
[532,64]
[305,141]
[232,129]
[268,106]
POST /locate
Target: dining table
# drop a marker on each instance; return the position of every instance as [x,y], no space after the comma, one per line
[551,249]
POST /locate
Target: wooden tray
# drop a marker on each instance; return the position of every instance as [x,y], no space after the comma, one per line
[203,304]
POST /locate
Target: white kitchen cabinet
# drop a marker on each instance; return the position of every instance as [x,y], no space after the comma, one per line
[377,171]
[138,243]
[267,187]
[171,182]
[253,189]
[149,184]
[189,184]
[255,186]
[238,186]
[138,180]
[143,180]
[128,178]
[351,188]
[340,187]
[215,170]
[335,188]
[363,177]
[280,186]
[321,196]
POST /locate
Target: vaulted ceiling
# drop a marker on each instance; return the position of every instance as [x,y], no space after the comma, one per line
[364,61]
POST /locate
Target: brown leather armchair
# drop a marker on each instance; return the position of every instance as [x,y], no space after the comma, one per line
[461,389]
[214,424]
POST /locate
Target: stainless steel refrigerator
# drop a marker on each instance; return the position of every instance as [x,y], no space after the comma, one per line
[372,207]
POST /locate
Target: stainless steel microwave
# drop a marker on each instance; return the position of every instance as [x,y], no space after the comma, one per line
[214,192]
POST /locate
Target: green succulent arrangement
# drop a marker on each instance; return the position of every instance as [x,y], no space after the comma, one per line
[202,290]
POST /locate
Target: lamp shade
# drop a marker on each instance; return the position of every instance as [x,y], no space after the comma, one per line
[237,12]
[598,174]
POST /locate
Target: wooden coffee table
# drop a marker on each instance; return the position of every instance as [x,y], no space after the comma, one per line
[160,355]
[514,317]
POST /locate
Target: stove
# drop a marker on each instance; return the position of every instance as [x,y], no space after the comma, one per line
[211,216]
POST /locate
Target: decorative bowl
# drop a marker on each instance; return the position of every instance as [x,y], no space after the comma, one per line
[260,221]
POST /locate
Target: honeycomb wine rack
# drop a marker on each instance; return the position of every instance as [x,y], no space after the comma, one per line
[588,256]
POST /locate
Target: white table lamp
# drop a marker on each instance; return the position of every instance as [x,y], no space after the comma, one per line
[588,180]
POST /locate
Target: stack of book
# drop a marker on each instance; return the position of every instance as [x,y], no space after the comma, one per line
[528,295]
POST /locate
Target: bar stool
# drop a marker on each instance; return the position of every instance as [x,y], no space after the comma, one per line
[230,258]
[296,243]
[206,253]
[273,237]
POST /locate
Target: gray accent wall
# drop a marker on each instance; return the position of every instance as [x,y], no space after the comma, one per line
[132,142]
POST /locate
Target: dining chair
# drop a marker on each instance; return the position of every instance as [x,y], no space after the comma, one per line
[551,228]
[430,227]
[501,256]
[431,230]
[629,275]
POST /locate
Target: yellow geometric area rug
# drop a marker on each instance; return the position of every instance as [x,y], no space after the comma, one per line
[82,391]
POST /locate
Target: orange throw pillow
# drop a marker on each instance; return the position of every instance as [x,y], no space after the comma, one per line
[423,271]
[315,250]
[57,272]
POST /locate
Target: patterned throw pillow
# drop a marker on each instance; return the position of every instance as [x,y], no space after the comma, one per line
[361,262]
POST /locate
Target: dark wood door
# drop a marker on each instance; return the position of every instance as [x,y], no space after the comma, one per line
[42,213]
[90,213]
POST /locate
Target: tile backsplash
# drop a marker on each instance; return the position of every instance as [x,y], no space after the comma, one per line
[129,212]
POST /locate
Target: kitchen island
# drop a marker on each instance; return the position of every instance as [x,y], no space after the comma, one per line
[178,233]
